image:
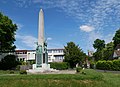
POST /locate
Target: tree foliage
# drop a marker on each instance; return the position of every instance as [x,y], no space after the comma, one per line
[7,32]
[99,44]
[116,38]
[108,51]
[73,54]
[104,52]
[8,62]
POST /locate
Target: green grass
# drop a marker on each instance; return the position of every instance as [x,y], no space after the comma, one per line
[8,72]
[91,79]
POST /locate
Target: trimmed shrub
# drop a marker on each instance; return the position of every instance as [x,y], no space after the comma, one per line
[108,65]
[79,69]
[92,65]
[18,67]
[9,62]
[116,65]
[11,72]
[23,72]
[59,65]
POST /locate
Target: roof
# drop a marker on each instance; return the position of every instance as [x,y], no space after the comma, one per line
[35,50]
[117,47]
[56,49]
[20,50]
[117,52]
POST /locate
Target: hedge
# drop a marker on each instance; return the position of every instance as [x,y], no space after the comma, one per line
[92,64]
[108,65]
[116,65]
[59,65]
[79,69]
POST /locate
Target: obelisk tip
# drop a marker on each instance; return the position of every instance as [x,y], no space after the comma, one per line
[41,10]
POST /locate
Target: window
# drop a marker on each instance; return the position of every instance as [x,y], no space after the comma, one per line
[49,51]
[60,51]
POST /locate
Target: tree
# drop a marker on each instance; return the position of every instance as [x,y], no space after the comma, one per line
[8,62]
[73,54]
[7,32]
[98,45]
[108,51]
[98,55]
[116,38]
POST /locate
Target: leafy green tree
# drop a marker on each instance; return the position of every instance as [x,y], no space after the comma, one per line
[108,51]
[98,45]
[116,38]
[73,54]
[8,62]
[97,55]
[7,32]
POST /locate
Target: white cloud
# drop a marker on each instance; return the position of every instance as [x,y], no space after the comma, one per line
[97,13]
[86,28]
[49,38]
[37,1]
[108,38]
[93,36]
[19,26]
[28,41]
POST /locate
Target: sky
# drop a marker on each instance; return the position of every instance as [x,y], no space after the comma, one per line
[79,21]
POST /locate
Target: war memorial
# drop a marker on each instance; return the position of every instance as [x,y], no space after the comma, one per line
[41,50]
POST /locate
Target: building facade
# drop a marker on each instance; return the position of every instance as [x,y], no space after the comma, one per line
[54,55]
[21,54]
[116,54]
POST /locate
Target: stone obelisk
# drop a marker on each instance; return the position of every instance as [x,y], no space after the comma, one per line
[41,28]
[41,50]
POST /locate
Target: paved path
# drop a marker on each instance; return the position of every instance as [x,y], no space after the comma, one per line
[55,72]
[62,72]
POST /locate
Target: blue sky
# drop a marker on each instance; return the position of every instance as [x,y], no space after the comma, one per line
[80,21]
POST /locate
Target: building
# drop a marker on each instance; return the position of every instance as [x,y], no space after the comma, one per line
[116,54]
[90,53]
[31,55]
[21,54]
[54,55]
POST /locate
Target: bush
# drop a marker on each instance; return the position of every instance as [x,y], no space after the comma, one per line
[79,69]
[116,65]
[108,65]
[92,65]
[11,72]
[59,65]
[18,67]
[9,62]
[23,72]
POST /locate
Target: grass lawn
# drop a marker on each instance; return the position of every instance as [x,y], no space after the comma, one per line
[91,79]
[8,72]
